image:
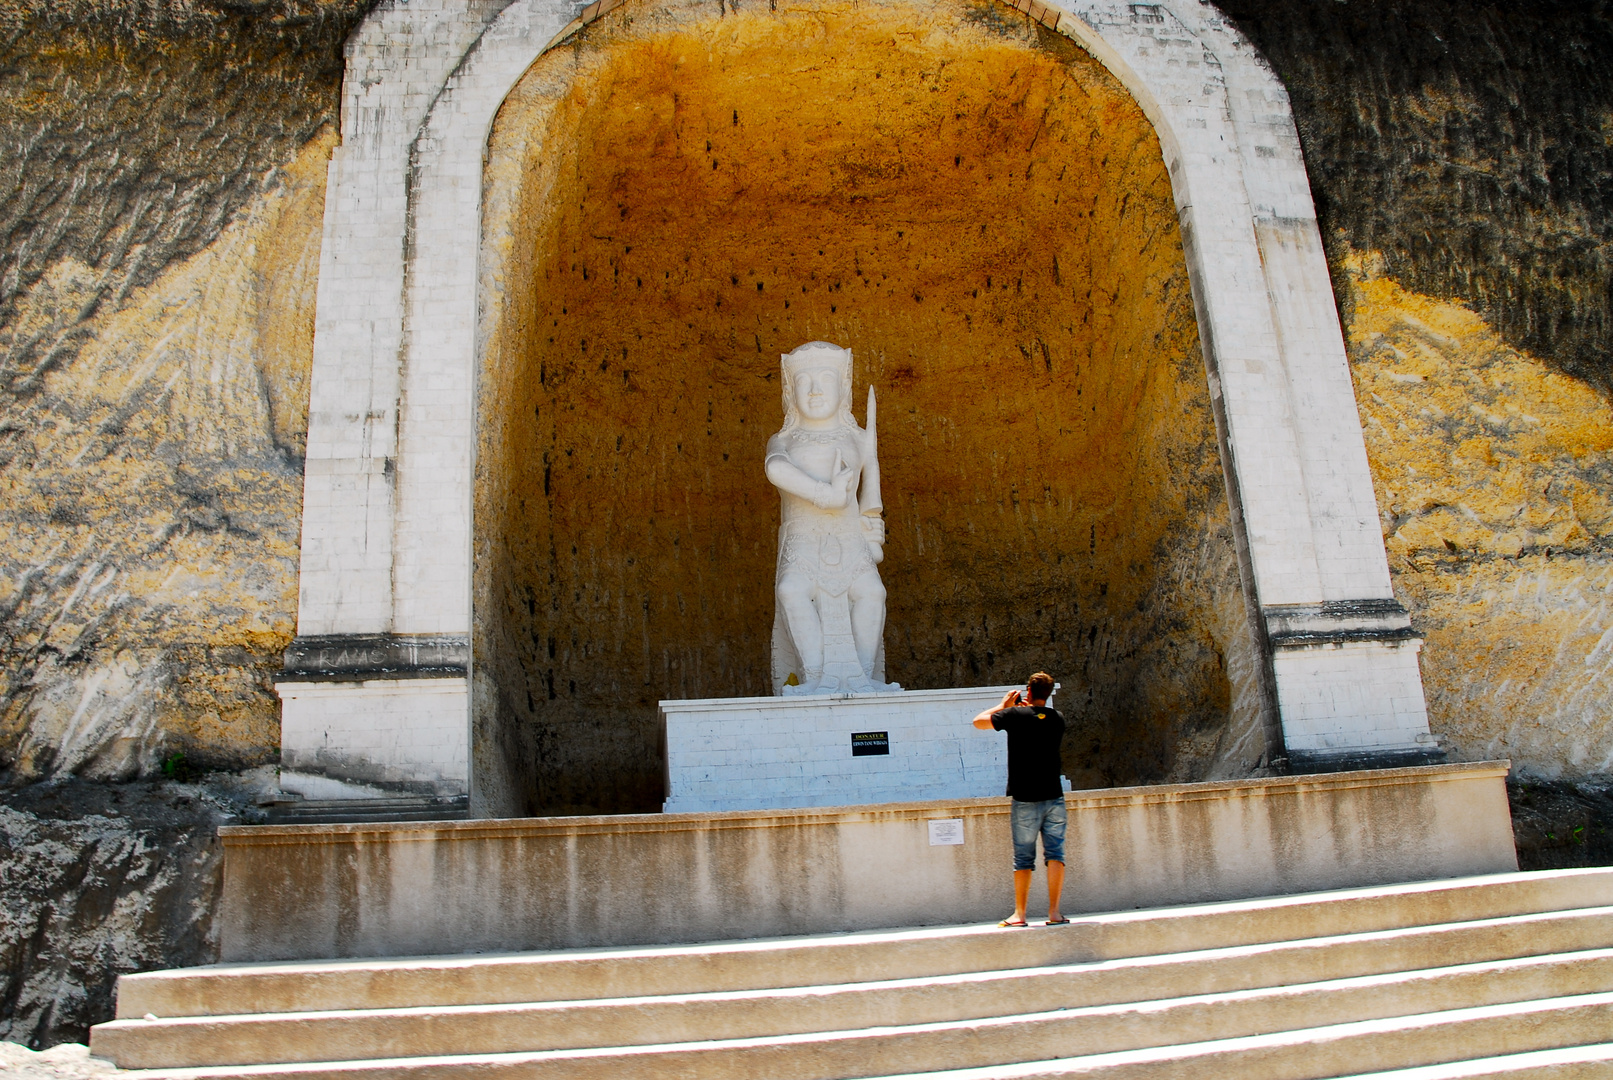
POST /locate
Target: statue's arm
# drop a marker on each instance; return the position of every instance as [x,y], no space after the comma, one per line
[785,475]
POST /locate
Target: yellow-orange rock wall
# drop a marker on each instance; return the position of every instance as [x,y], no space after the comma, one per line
[153,493]
[151,528]
[1494,478]
[164,178]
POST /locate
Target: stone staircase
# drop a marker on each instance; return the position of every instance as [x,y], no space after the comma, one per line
[1502,976]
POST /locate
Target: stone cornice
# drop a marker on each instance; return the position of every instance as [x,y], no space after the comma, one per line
[363,657]
[1337,621]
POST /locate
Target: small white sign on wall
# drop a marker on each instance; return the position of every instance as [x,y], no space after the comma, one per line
[946,832]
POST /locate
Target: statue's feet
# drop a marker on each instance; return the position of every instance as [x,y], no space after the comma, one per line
[873,686]
[812,684]
[855,685]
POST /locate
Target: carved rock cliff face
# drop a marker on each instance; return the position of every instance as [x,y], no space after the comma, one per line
[1469,143]
[97,880]
[1461,155]
[162,164]
[1493,481]
[156,278]
[163,175]
[162,170]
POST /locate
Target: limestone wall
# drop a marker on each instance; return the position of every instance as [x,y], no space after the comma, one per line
[162,166]
[163,174]
[1469,144]
[155,316]
[1463,169]
[1492,474]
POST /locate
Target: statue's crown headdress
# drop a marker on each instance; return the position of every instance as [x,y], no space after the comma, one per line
[814,353]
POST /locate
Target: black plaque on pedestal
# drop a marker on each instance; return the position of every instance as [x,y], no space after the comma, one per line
[870,743]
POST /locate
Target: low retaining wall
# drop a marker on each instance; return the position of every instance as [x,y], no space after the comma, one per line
[323,891]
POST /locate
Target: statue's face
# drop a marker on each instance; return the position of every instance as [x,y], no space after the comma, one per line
[817,392]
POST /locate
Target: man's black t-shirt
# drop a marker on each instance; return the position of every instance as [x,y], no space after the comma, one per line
[1034,734]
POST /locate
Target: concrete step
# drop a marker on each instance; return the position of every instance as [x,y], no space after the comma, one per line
[1305,1053]
[1422,958]
[836,959]
[1594,1062]
[1388,979]
[1289,1055]
[1564,1063]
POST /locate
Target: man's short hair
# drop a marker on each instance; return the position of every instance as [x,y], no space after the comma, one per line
[1040,686]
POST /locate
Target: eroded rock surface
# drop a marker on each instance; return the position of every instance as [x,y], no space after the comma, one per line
[1470,143]
[101,879]
[1494,478]
[1462,164]
[159,236]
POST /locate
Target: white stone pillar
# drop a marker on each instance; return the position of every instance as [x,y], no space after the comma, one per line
[349,668]
[1343,681]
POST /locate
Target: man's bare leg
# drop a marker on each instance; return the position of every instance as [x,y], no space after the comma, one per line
[1022,894]
[1055,886]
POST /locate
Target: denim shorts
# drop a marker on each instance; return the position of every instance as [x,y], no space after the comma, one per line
[1030,818]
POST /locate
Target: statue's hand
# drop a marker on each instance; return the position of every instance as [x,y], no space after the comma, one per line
[874,529]
[832,495]
[838,491]
[874,536]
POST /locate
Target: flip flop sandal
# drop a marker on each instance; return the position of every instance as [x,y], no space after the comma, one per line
[1057,922]
[1013,923]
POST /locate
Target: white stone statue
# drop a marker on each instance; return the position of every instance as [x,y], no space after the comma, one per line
[829,619]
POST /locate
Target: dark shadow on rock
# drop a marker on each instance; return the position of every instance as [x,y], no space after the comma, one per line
[98,880]
[1562,823]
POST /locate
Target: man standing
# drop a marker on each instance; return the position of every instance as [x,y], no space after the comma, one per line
[1034,733]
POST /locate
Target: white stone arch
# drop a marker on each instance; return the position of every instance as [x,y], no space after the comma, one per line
[385,591]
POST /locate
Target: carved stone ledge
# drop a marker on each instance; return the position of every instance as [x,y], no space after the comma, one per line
[1313,761]
[1337,621]
[361,657]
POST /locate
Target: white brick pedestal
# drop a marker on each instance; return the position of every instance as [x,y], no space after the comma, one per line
[411,733]
[769,753]
[383,709]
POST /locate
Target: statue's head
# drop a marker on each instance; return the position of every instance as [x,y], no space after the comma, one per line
[817,383]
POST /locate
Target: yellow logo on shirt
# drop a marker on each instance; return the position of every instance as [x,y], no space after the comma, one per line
[1041,716]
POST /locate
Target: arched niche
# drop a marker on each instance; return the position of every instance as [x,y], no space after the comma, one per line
[974,205]
[378,684]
